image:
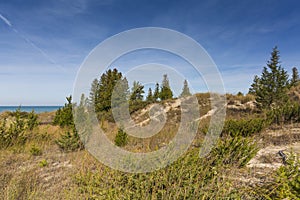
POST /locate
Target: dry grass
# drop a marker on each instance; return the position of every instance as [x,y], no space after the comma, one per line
[52,174]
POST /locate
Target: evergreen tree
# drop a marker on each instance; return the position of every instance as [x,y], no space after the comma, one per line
[149,97]
[64,116]
[121,138]
[166,92]
[156,92]
[255,85]
[185,90]
[107,83]
[94,98]
[80,114]
[121,93]
[137,92]
[270,89]
[295,77]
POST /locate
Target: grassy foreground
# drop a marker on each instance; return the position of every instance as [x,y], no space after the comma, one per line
[36,167]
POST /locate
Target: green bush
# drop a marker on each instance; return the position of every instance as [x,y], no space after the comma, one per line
[70,141]
[43,163]
[121,138]
[285,182]
[237,151]
[289,112]
[35,151]
[14,132]
[64,116]
[244,127]
[32,120]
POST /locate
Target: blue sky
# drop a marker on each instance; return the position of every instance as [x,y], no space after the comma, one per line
[43,43]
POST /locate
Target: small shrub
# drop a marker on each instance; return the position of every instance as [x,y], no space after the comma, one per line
[285,183]
[289,112]
[43,163]
[237,151]
[70,141]
[32,121]
[64,116]
[14,133]
[35,151]
[121,138]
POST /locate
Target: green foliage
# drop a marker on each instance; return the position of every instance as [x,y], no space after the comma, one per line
[244,127]
[138,106]
[106,86]
[35,151]
[237,151]
[285,183]
[240,94]
[190,177]
[165,92]
[150,97]
[289,112]
[81,116]
[270,89]
[137,92]
[156,92]
[32,120]
[64,116]
[295,77]
[94,93]
[121,138]
[43,163]
[14,131]
[185,90]
[70,141]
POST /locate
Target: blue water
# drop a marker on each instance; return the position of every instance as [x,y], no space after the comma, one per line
[37,109]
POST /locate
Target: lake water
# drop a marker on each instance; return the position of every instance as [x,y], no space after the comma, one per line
[37,109]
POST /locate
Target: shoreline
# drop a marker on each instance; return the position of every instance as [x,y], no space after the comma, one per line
[37,109]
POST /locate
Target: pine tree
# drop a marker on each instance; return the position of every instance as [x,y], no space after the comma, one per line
[270,89]
[185,90]
[121,93]
[255,85]
[150,97]
[166,92]
[156,92]
[94,98]
[64,116]
[295,77]
[107,83]
[121,138]
[137,92]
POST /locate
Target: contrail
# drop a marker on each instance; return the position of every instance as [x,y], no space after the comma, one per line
[8,23]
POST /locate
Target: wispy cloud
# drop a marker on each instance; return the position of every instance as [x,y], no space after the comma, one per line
[5,20]
[31,43]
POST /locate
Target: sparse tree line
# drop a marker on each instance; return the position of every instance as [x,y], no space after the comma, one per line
[102,90]
[112,84]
